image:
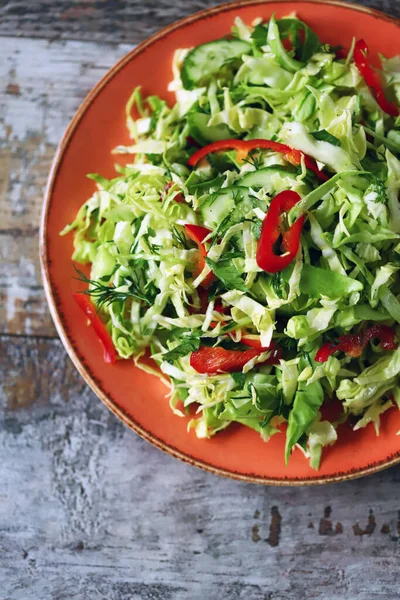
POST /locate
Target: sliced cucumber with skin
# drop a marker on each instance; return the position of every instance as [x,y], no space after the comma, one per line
[204,61]
[217,207]
[202,133]
[261,177]
[235,201]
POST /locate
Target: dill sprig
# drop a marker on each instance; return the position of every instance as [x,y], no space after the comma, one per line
[180,238]
[255,160]
[104,293]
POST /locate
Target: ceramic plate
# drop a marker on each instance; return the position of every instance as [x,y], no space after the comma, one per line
[134,396]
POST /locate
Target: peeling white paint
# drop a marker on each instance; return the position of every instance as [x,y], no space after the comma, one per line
[15,293]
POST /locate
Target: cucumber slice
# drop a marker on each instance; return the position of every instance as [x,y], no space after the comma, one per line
[235,201]
[217,207]
[261,177]
[204,61]
[204,134]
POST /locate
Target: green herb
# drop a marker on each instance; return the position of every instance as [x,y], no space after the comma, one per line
[180,238]
[188,345]
[325,136]
[227,273]
[280,286]
[255,160]
[104,295]
[221,229]
[259,35]
[239,378]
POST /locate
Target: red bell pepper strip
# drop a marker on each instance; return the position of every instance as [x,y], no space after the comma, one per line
[373,79]
[271,231]
[254,342]
[110,354]
[203,297]
[178,198]
[197,156]
[197,233]
[354,344]
[218,307]
[210,361]
[244,147]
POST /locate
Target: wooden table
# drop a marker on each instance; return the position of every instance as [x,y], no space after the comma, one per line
[88,510]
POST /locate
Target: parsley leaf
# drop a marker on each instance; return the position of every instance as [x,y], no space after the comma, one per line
[259,35]
[226,272]
[239,378]
[325,136]
[188,345]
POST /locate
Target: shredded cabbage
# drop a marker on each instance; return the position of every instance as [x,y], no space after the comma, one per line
[149,278]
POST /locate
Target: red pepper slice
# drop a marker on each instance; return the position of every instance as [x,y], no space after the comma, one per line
[254,342]
[354,344]
[178,198]
[84,302]
[197,233]
[386,335]
[287,44]
[373,79]
[244,147]
[271,231]
[203,296]
[218,307]
[197,156]
[210,361]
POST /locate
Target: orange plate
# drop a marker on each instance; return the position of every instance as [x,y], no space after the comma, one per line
[137,398]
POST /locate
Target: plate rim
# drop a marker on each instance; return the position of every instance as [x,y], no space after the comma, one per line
[51,294]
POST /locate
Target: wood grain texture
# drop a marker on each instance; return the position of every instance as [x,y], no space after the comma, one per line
[90,511]
[41,85]
[111,21]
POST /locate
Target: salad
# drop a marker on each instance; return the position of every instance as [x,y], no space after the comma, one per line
[252,246]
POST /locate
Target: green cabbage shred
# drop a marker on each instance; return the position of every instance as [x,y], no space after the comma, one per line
[143,267]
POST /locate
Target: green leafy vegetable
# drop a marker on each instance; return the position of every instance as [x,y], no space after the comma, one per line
[306,404]
[325,136]
[105,295]
[269,336]
[188,345]
[227,273]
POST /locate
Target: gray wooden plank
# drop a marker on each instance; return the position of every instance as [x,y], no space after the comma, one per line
[109,20]
[88,510]
[42,84]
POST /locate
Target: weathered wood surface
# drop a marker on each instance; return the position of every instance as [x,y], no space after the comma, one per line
[87,509]
[42,84]
[90,511]
[111,21]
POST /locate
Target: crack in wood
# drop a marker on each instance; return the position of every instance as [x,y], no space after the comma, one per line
[255,533]
[109,21]
[87,509]
[274,528]
[369,529]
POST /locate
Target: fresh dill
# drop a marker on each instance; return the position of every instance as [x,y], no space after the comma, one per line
[255,160]
[104,294]
[179,238]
